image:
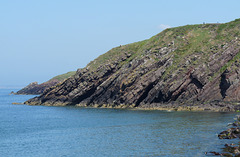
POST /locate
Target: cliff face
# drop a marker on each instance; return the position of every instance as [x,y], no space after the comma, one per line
[192,64]
[35,89]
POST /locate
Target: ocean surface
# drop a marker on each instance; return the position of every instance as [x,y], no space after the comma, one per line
[41,131]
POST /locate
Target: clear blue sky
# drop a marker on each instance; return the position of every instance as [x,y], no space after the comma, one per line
[44,38]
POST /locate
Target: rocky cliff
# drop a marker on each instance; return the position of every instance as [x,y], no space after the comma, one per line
[35,89]
[187,67]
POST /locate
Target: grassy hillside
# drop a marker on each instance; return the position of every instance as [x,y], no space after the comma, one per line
[189,40]
[63,76]
[193,64]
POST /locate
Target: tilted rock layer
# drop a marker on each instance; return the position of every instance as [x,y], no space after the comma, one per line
[192,64]
[35,89]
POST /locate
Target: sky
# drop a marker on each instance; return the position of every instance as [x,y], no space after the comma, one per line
[44,38]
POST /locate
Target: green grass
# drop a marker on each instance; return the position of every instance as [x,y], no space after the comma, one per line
[230,63]
[63,76]
[191,40]
[115,53]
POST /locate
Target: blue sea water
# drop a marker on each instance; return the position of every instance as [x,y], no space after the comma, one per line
[41,131]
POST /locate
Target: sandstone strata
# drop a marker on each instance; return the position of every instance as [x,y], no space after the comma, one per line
[186,67]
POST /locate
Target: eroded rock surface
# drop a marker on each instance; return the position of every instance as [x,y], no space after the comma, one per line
[192,65]
[36,89]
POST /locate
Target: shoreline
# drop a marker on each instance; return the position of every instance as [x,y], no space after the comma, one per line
[212,107]
[219,106]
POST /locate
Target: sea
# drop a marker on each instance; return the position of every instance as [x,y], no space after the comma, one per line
[41,131]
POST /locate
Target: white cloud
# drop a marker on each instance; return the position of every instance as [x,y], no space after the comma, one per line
[163,26]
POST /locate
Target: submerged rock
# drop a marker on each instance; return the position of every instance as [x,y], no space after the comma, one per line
[230,150]
[231,133]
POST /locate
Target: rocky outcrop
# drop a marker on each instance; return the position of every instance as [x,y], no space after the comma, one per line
[232,149]
[36,89]
[192,65]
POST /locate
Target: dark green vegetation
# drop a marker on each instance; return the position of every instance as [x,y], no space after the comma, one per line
[35,88]
[193,67]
